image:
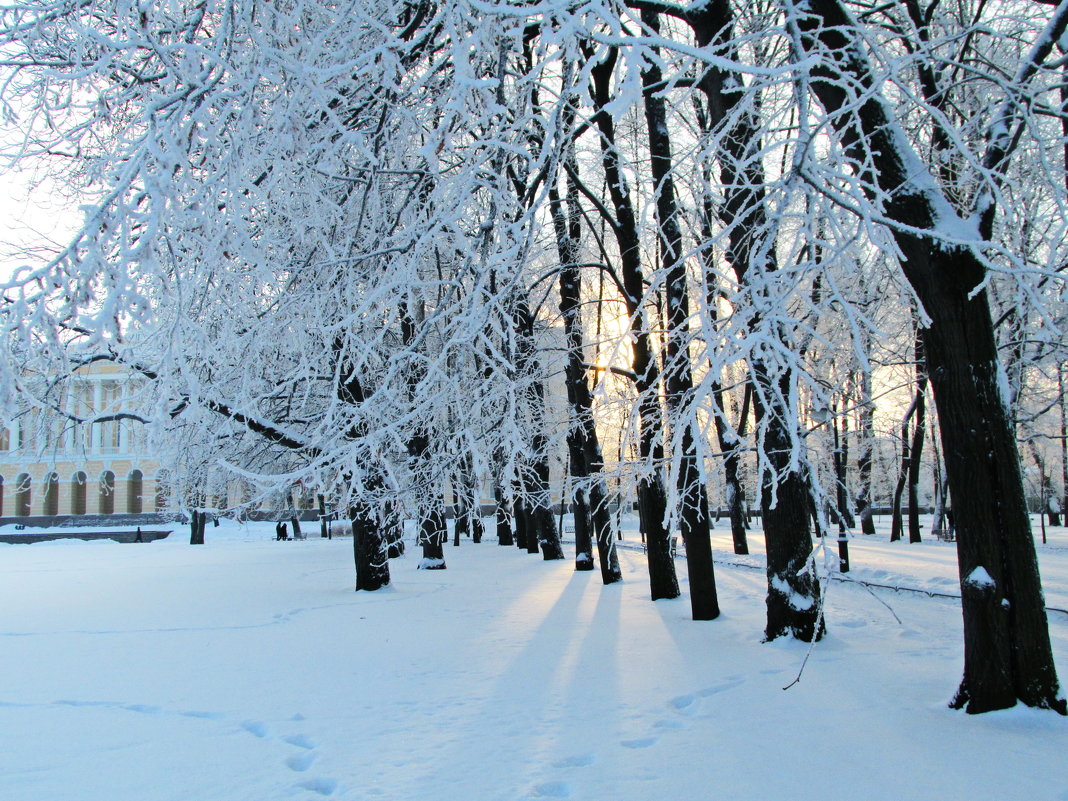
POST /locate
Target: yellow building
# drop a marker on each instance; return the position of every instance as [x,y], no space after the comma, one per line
[53,465]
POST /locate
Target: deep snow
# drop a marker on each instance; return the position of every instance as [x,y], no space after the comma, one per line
[248,669]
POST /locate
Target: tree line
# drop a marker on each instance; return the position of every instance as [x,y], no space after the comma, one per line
[380,251]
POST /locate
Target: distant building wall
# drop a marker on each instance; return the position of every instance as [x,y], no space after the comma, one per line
[51,465]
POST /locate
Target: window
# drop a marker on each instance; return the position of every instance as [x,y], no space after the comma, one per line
[50,504]
[134,486]
[106,502]
[77,493]
[110,401]
[23,489]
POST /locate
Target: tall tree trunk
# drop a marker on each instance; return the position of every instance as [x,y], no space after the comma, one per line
[896,519]
[678,378]
[841,473]
[540,529]
[793,591]
[911,451]
[866,418]
[793,600]
[433,532]
[1064,435]
[324,524]
[731,440]
[519,518]
[652,498]
[369,549]
[915,460]
[504,526]
[197,524]
[1007,652]
[592,519]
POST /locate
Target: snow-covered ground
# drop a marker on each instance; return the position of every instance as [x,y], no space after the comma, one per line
[249,669]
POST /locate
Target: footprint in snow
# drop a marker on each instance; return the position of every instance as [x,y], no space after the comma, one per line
[196,713]
[256,728]
[300,762]
[319,785]
[300,741]
[684,703]
[641,742]
[551,790]
[668,724]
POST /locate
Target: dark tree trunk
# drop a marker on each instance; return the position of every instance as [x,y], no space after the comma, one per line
[735,502]
[911,447]
[504,526]
[197,523]
[584,447]
[916,451]
[793,592]
[519,517]
[540,531]
[896,519]
[678,377]
[369,549]
[324,524]
[793,599]
[841,462]
[866,414]
[915,455]
[433,532]
[459,527]
[652,499]
[1007,652]
[1064,424]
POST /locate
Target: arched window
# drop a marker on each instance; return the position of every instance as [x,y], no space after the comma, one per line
[135,483]
[106,502]
[50,503]
[77,493]
[23,494]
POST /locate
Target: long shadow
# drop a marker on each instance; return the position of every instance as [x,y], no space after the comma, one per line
[564,666]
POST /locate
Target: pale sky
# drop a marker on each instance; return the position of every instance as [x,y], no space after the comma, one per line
[32,219]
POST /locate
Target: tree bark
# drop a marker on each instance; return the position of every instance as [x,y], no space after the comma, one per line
[369,549]
[433,532]
[678,377]
[540,530]
[504,526]
[584,446]
[652,498]
[866,415]
[197,523]
[1007,652]
[793,599]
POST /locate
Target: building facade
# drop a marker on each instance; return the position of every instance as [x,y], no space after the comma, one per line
[52,465]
